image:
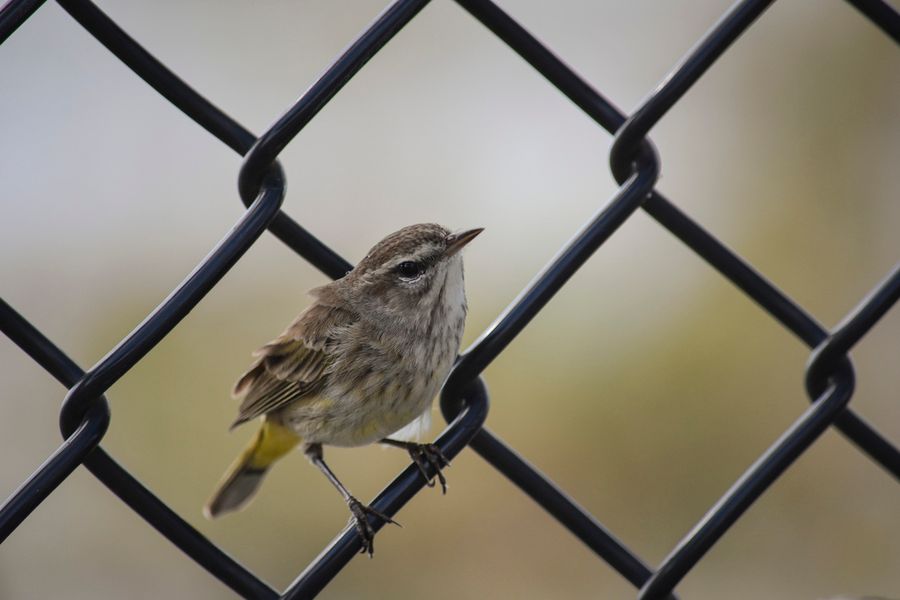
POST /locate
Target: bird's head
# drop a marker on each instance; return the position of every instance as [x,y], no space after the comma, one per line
[409,272]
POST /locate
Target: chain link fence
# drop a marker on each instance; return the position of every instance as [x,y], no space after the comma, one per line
[85,415]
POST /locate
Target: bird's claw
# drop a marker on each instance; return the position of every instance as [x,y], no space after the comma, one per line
[431,454]
[361,523]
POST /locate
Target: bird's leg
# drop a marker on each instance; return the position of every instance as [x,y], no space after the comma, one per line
[359,510]
[422,454]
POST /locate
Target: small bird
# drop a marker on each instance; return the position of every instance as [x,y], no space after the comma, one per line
[362,364]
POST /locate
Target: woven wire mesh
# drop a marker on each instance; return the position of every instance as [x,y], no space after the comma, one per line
[85,415]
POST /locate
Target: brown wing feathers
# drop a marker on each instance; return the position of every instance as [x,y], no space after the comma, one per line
[291,366]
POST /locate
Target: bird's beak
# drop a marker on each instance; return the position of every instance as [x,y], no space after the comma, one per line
[456,241]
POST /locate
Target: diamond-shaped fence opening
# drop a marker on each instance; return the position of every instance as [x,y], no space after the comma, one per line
[635,164]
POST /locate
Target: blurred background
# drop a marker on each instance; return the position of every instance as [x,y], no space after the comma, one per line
[645,388]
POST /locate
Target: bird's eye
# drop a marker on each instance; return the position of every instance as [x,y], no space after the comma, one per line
[409,269]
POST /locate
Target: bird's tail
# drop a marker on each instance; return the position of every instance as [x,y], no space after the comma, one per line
[243,477]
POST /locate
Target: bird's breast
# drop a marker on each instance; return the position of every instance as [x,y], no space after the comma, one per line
[386,376]
[377,392]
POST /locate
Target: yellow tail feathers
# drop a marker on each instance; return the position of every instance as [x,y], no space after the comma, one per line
[243,477]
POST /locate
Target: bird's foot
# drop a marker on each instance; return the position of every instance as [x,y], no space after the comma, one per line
[430,454]
[361,523]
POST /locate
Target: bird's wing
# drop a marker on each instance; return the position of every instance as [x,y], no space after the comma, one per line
[291,367]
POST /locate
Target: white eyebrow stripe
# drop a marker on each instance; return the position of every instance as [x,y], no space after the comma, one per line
[426,251]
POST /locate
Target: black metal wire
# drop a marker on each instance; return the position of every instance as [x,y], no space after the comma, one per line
[279,134]
[85,415]
[881,14]
[731,266]
[119,481]
[13,14]
[564,509]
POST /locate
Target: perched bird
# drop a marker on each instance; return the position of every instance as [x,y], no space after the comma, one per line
[363,362]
